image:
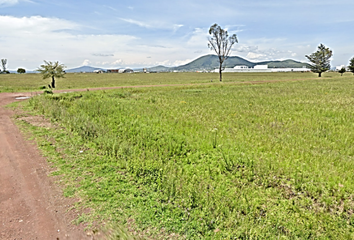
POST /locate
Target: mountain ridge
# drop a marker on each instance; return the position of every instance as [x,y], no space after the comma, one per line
[211,62]
[208,62]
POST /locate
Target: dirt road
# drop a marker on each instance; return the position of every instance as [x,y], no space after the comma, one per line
[31,204]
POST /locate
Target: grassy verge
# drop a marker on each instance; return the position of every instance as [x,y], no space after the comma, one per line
[213,162]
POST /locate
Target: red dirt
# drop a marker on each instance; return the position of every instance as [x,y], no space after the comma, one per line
[32,206]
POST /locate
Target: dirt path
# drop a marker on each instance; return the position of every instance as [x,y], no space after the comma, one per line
[32,206]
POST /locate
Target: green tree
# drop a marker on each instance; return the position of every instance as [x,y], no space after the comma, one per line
[52,70]
[21,70]
[320,60]
[221,43]
[351,65]
[342,70]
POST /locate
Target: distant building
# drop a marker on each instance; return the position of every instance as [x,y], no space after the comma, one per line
[113,70]
[128,70]
[262,68]
[241,67]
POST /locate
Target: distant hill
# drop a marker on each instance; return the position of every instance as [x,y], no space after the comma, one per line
[83,69]
[159,69]
[208,62]
[284,64]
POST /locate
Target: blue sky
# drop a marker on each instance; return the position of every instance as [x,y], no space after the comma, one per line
[136,33]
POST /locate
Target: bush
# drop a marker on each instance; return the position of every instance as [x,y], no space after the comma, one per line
[21,70]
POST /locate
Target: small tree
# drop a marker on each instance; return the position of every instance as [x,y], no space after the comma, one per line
[21,70]
[3,63]
[320,60]
[221,43]
[342,70]
[351,65]
[52,70]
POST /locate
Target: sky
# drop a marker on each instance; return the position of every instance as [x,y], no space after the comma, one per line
[140,33]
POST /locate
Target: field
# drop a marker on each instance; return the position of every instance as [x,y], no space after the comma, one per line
[34,82]
[208,161]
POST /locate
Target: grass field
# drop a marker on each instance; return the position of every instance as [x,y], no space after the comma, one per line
[34,82]
[221,161]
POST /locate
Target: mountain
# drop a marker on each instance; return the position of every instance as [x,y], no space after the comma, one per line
[83,69]
[159,69]
[210,62]
[284,64]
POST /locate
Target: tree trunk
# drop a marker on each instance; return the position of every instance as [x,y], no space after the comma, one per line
[53,82]
[319,74]
[220,72]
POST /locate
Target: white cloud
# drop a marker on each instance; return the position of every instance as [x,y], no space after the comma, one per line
[86,62]
[33,25]
[153,24]
[244,48]
[181,62]
[199,38]
[135,22]
[8,2]
[117,62]
[5,3]
[176,27]
[257,56]
[27,41]
[265,52]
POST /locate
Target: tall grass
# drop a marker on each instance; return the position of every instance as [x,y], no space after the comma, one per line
[214,162]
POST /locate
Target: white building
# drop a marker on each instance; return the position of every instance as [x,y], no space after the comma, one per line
[263,68]
[241,67]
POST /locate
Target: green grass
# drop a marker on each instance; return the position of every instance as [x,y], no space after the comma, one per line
[34,82]
[230,161]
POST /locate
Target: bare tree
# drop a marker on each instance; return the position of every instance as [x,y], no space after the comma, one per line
[221,43]
[3,63]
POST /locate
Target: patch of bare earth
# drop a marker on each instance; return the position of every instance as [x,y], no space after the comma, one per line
[38,121]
